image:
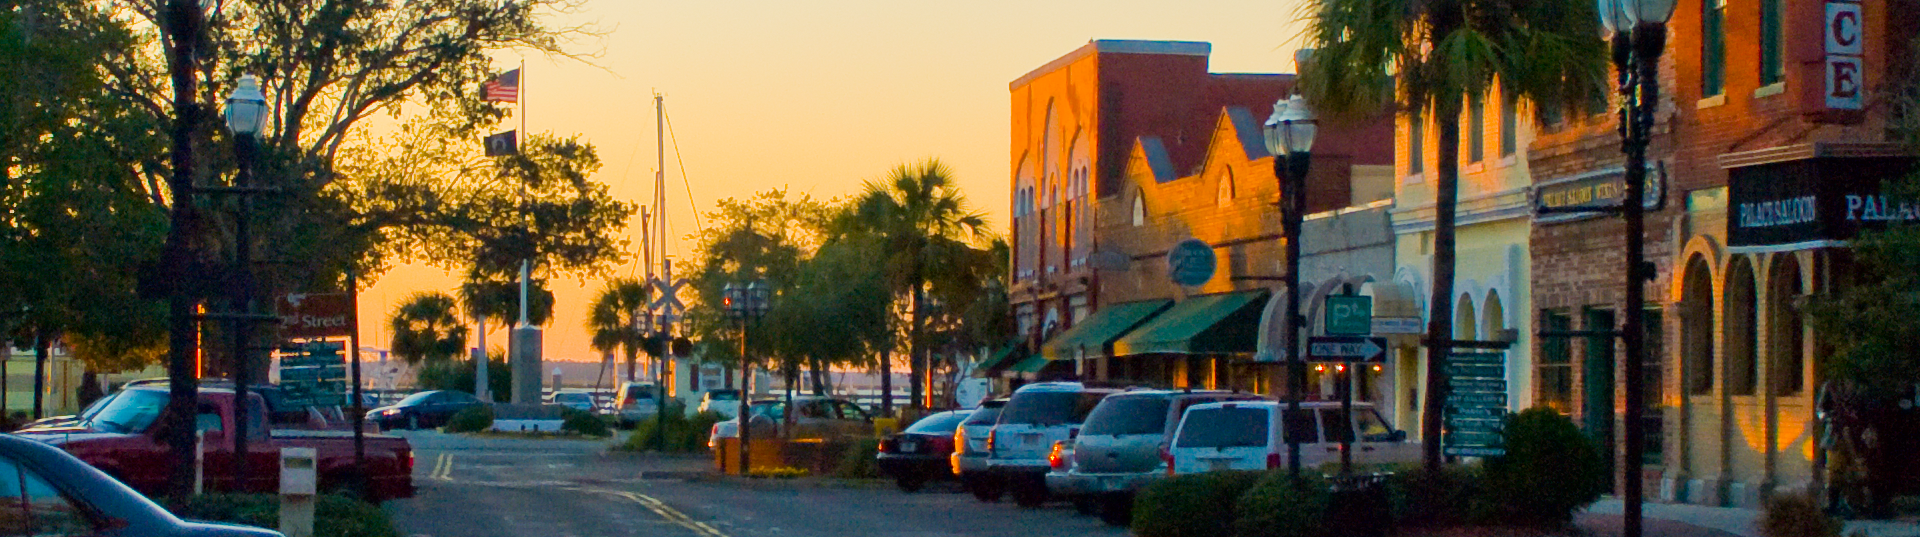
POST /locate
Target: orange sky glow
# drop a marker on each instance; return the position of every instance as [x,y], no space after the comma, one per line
[816,97]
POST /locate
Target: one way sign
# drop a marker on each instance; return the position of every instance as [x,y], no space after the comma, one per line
[1346,349]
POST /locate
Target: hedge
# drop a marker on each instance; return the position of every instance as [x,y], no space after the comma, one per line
[1191,505]
[334,515]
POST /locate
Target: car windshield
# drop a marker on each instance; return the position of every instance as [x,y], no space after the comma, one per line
[1135,414]
[988,413]
[771,409]
[415,399]
[131,412]
[942,423]
[1223,427]
[723,395]
[1049,408]
[94,408]
[1371,427]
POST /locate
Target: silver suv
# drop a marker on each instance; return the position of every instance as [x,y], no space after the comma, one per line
[1035,418]
[1119,450]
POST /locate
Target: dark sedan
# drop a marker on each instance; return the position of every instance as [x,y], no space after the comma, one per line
[425,409]
[45,491]
[922,452]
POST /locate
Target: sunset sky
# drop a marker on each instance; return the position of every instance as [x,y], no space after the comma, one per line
[817,97]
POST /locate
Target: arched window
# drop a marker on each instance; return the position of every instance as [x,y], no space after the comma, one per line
[1224,196]
[1787,372]
[1741,339]
[1139,208]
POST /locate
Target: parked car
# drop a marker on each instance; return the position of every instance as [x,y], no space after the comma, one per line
[577,400]
[1118,450]
[725,402]
[1249,436]
[46,491]
[816,417]
[970,450]
[923,452]
[125,440]
[635,402]
[1037,416]
[427,409]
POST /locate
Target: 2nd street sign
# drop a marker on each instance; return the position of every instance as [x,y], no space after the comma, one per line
[1346,349]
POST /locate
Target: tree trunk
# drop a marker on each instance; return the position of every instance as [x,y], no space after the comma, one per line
[1440,314]
[633,364]
[886,381]
[42,344]
[916,351]
[814,366]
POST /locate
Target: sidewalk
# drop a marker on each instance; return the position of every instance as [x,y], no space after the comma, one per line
[1604,516]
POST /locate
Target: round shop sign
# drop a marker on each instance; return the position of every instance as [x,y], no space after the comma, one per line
[1191,262]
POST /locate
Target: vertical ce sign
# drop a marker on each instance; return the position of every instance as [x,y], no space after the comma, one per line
[1844,69]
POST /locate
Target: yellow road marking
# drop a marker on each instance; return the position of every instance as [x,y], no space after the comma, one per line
[442,468]
[668,513]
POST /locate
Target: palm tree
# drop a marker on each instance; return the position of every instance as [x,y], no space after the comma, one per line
[1427,56]
[425,329]
[921,217]
[614,320]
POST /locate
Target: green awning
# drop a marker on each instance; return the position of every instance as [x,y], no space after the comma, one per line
[1000,360]
[1222,323]
[1098,330]
[1030,365]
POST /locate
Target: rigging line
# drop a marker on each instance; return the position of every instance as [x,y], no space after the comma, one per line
[683,173]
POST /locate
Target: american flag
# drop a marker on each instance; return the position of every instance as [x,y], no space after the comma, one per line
[504,88]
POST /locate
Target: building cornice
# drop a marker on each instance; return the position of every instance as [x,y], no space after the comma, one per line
[1507,204]
[1788,153]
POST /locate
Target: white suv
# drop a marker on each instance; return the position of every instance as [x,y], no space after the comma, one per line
[1035,418]
[1249,435]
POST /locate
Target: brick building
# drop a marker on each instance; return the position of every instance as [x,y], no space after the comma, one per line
[1123,148]
[1773,118]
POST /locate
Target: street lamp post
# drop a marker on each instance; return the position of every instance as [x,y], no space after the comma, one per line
[1290,133]
[246,115]
[1638,32]
[745,303]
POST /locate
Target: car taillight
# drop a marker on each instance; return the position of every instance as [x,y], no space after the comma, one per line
[1273,460]
[991,433]
[960,440]
[1054,459]
[1166,456]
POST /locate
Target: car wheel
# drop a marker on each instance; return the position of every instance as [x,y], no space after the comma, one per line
[1117,509]
[986,488]
[910,482]
[1086,506]
[1027,492]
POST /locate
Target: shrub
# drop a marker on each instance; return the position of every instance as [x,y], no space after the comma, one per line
[1449,497]
[1197,505]
[857,461]
[1796,515]
[583,422]
[334,516]
[1551,469]
[1279,506]
[683,435]
[472,419]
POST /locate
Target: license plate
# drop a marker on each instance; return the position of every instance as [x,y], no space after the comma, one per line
[1219,464]
[909,446]
[1031,438]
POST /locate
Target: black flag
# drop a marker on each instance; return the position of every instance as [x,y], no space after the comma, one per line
[500,145]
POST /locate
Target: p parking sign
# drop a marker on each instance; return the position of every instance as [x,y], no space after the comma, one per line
[1349,315]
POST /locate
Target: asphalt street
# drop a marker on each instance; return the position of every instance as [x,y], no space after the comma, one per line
[526,487]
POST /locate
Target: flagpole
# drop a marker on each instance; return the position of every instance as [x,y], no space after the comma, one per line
[526,264]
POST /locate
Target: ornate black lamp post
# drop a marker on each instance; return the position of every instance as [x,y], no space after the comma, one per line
[1290,133]
[1638,32]
[246,115]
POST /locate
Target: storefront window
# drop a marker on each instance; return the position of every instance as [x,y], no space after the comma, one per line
[1555,369]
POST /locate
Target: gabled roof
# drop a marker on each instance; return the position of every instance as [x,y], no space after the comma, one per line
[1249,129]
[1155,152]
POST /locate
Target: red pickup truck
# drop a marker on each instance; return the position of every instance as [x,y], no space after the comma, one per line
[121,439]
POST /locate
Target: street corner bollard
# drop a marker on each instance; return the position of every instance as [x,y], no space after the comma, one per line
[298,483]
